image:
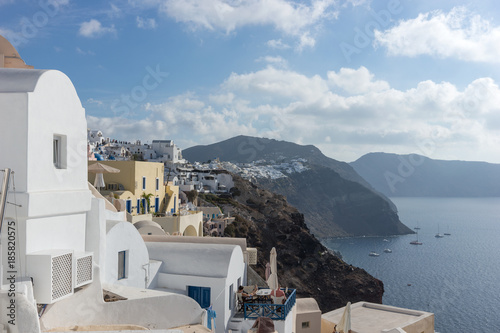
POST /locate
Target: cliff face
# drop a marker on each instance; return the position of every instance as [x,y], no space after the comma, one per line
[335,200]
[335,206]
[267,221]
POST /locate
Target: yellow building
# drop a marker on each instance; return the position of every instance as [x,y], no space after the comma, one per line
[139,184]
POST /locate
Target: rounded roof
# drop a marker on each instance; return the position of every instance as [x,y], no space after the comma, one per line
[7,49]
[307,305]
[12,59]
[147,223]
[209,260]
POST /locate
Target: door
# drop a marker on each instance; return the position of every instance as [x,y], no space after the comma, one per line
[200,295]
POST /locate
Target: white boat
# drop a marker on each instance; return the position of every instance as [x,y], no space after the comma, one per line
[388,251]
[374,254]
[439,235]
[385,240]
[416,242]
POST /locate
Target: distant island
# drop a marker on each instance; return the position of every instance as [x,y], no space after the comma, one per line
[334,199]
[415,175]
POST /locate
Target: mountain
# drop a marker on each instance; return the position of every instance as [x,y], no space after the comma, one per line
[418,176]
[266,220]
[336,201]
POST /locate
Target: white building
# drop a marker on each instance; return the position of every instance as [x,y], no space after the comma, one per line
[63,244]
[167,151]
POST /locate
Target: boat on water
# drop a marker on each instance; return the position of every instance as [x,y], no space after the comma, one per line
[385,240]
[416,242]
[439,235]
[388,251]
[374,254]
[447,233]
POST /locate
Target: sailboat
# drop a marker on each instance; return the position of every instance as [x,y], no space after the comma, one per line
[416,242]
[438,235]
[447,233]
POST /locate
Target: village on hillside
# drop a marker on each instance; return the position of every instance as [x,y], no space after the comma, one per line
[115,237]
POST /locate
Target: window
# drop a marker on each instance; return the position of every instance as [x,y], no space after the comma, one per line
[59,151]
[143,183]
[157,184]
[305,324]
[231,297]
[122,265]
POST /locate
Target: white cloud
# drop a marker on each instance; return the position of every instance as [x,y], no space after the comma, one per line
[292,18]
[94,28]
[82,52]
[434,119]
[114,11]
[356,81]
[146,23]
[276,61]
[277,44]
[457,34]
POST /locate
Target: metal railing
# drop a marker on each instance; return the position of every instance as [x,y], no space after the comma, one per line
[273,311]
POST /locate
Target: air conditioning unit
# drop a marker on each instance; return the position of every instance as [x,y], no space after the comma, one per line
[83,273]
[52,274]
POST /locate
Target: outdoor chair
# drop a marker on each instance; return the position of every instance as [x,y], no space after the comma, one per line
[242,300]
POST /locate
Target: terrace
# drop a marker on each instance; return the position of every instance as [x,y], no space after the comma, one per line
[274,311]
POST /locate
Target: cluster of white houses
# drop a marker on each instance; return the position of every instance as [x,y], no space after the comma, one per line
[73,258]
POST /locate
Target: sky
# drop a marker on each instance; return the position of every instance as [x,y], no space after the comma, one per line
[348,76]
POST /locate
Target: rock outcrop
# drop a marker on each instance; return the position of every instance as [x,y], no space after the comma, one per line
[267,220]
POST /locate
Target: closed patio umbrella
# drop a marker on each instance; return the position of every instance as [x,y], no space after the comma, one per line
[344,325]
[99,169]
[272,281]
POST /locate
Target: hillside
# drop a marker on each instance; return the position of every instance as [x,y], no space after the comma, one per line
[336,201]
[418,176]
[266,220]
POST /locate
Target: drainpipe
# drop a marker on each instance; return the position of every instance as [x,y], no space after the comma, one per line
[3,201]
[3,195]
[146,275]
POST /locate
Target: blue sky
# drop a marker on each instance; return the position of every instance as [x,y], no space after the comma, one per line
[350,77]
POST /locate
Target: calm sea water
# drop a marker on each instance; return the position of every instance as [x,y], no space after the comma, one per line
[456,277]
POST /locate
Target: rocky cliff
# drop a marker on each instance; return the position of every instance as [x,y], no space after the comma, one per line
[335,200]
[266,220]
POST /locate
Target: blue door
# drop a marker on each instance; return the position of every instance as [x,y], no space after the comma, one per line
[200,295]
[128,204]
[145,205]
[138,206]
[157,204]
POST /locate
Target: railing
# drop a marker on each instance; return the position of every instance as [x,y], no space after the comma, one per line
[273,311]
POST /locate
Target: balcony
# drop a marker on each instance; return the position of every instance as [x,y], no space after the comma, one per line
[273,311]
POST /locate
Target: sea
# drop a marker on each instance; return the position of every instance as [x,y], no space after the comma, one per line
[456,277]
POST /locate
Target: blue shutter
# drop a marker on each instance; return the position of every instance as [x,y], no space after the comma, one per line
[157,204]
[200,295]
[138,206]
[129,206]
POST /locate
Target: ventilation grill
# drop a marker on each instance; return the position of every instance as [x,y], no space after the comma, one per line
[62,281]
[252,255]
[83,270]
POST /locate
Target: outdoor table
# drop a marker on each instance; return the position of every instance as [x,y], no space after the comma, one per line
[263,294]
